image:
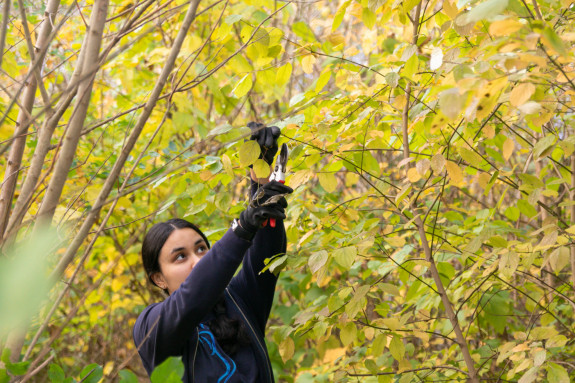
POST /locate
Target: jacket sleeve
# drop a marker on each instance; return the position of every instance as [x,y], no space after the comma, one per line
[163,329]
[257,289]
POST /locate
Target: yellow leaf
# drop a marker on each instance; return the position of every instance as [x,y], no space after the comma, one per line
[530,107]
[399,102]
[244,86]
[562,78]
[336,39]
[227,165]
[299,178]
[483,180]
[413,175]
[437,163]
[395,241]
[286,349]
[454,172]
[422,166]
[283,74]
[328,181]
[521,94]
[108,367]
[249,153]
[332,354]
[508,147]
[307,64]
[261,168]
[392,323]
[504,27]
[205,175]
[450,9]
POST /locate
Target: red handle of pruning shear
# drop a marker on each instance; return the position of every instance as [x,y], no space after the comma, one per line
[273,220]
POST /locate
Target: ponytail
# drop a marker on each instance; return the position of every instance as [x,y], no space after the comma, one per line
[230,333]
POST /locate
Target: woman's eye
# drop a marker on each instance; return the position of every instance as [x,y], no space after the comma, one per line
[201,250]
[180,256]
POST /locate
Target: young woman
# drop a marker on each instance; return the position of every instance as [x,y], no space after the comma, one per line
[214,320]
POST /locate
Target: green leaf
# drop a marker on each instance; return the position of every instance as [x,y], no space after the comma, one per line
[317,260]
[345,256]
[338,18]
[261,168]
[357,302]
[249,152]
[283,74]
[244,86]
[397,348]
[19,368]
[529,376]
[368,18]
[302,30]
[512,213]
[392,79]
[127,376]
[551,37]
[4,376]
[328,181]
[170,371]
[408,5]
[412,292]
[23,280]
[371,366]
[348,333]
[323,80]
[5,355]
[531,180]
[557,373]
[470,156]
[526,208]
[92,373]
[540,148]
[487,9]
[411,66]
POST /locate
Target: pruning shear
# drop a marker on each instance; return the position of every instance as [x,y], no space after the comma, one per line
[279,173]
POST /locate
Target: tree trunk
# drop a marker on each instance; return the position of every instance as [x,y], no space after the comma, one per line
[572,197]
[23,120]
[97,22]
[89,68]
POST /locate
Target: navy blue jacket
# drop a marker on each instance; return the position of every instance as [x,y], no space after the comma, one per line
[178,326]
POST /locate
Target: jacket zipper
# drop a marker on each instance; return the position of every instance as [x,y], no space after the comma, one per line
[194,359]
[255,335]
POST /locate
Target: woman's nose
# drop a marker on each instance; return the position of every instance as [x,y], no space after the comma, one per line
[195,259]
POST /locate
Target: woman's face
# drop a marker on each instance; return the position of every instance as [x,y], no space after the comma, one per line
[182,250]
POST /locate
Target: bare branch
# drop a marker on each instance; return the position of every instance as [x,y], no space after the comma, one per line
[74,128]
[23,121]
[5,17]
[134,135]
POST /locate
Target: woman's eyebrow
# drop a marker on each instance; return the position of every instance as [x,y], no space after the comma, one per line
[198,241]
[176,249]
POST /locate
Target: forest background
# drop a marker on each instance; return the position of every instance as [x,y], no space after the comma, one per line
[431,233]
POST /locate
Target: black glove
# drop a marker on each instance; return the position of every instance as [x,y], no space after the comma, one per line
[267,138]
[268,202]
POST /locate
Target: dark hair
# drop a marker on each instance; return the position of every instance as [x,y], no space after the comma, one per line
[154,241]
[230,333]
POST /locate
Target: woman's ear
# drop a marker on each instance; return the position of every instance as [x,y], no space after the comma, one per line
[159,280]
